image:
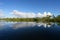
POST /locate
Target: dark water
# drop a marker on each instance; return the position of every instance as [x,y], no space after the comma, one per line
[29,31]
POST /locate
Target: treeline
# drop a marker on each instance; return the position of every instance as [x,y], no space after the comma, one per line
[43,19]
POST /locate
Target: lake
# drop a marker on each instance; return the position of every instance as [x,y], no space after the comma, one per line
[29,31]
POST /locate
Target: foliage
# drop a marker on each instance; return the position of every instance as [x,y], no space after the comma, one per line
[43,19]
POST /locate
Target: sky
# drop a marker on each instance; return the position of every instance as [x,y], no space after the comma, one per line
[29,8]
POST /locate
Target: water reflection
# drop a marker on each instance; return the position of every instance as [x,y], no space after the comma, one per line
[23,24]
[16,25]
[58,23]
[44,24]
[30,30]
[31,24]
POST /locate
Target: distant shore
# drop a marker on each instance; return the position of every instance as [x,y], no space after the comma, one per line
[43,19]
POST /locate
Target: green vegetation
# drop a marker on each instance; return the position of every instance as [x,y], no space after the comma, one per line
[43,19]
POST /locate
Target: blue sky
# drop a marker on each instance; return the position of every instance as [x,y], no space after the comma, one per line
[35,6]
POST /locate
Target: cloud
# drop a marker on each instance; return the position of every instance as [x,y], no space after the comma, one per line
[23,14]
[29,14]
[47,13]
[1,13]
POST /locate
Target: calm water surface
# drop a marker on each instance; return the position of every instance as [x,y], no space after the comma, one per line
[29,31]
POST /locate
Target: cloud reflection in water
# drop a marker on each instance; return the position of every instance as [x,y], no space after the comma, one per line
[16,25]
[30,24]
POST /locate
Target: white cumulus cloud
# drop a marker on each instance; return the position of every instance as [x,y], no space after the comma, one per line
[30,14]
[23,14]
[46,13]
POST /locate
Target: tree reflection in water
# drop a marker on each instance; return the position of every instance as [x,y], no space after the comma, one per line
[31,24]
